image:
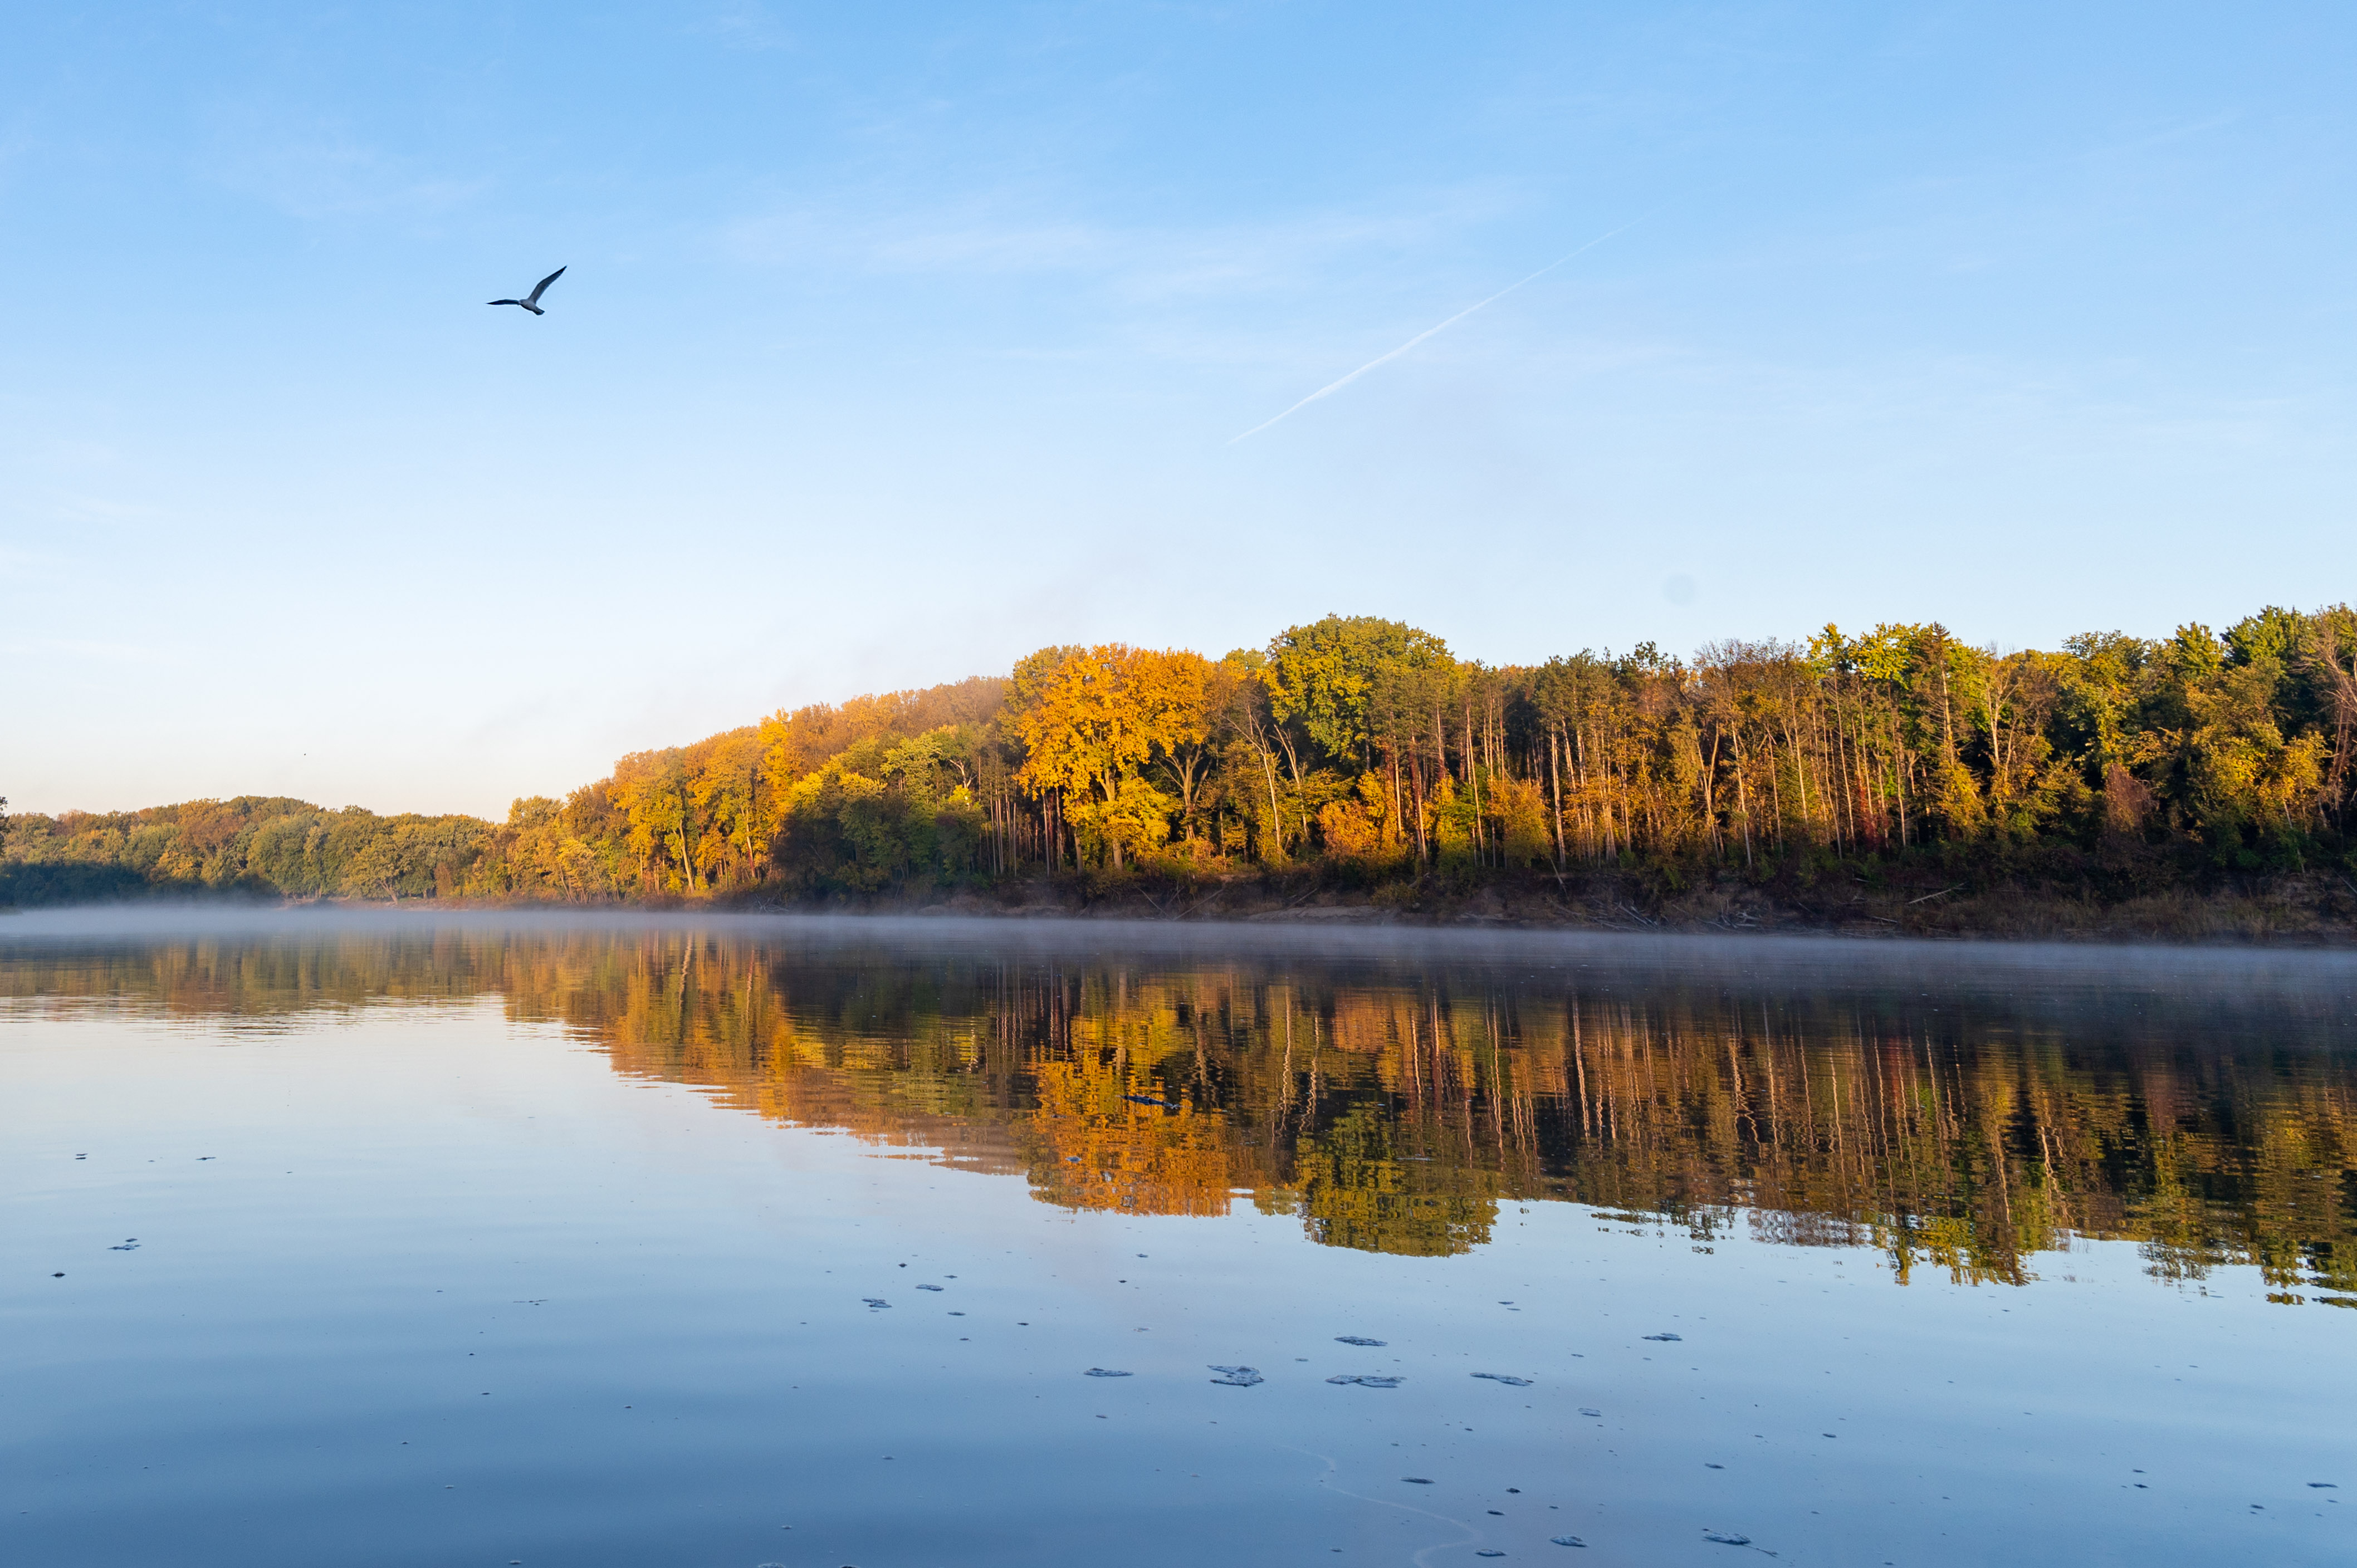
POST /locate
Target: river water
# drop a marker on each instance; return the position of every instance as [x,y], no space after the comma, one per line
[408,1240]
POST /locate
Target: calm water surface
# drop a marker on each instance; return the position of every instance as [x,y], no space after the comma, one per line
[412,1240]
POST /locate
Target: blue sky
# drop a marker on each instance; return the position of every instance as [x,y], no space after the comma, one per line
[898,341]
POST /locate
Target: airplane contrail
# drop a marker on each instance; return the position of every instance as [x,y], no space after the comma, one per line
[1371,364]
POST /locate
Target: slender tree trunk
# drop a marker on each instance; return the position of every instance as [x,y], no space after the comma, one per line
[1416,777]
[1555,783]
[1742,801]
[1709,770]
[1275,820]
[1397,836]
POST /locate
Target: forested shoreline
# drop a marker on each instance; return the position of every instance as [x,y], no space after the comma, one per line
[1357,760]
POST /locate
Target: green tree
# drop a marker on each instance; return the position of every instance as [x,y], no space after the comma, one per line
[1337,678]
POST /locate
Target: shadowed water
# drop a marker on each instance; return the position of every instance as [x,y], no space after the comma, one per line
[1968,1252]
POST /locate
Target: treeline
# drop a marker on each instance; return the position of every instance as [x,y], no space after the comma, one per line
[260,845]
[1361,749]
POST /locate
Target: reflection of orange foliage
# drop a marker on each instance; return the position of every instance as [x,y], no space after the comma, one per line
[1353,1193]
[1394,1113]
[1096,1150]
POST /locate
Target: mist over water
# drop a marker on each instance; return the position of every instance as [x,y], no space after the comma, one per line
[1969,1252]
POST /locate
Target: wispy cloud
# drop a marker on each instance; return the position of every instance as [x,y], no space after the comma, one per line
[36,647]
[1014,234]
[747,25]
[70,507]
[313,169]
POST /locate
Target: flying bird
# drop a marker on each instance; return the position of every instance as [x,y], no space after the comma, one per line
[531,301]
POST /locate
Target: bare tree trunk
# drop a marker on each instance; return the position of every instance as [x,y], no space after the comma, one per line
[1397,836]
[1555,783]
[1742,801]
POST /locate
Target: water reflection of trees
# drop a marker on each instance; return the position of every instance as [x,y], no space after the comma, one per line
[1393,1111]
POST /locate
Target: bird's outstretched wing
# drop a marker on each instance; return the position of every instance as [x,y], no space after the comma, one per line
[541,285]
[503,301]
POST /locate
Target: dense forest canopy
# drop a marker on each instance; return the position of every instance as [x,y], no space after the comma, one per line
[1362,750]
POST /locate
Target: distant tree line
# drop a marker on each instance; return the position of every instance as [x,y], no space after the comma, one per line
[1362,750]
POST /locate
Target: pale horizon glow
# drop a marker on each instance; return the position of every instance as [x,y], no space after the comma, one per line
[893,345]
